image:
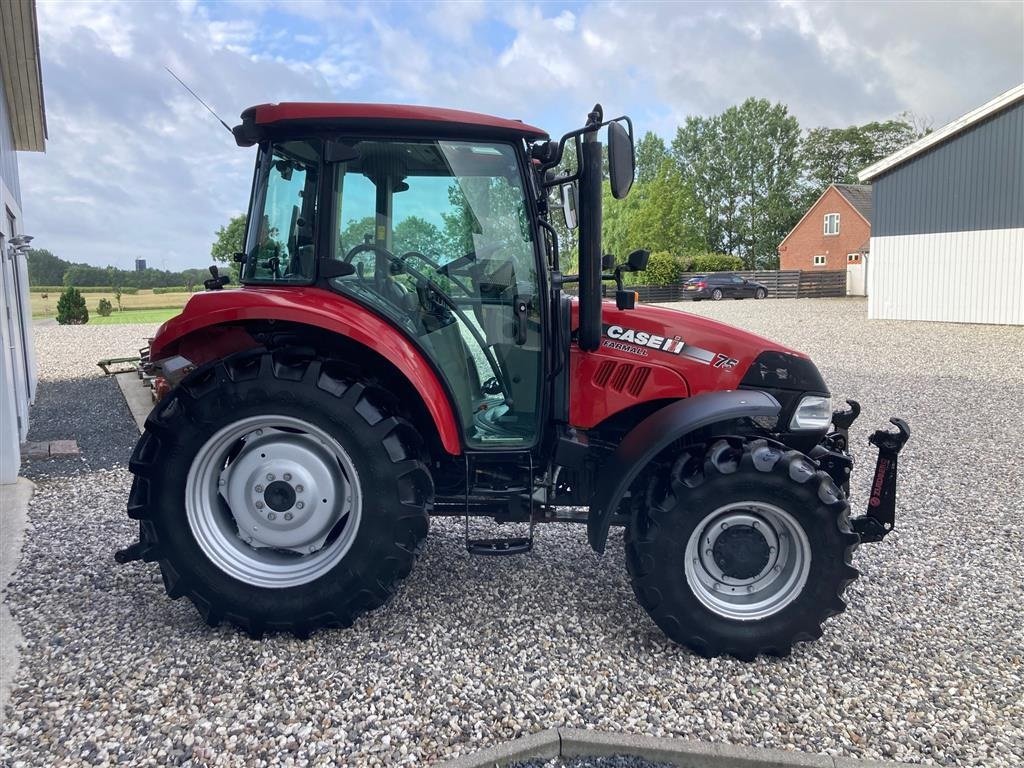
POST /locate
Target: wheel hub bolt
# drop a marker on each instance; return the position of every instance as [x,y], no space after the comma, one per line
[298,489]
[271,516]
[288,515]
[259,505]
[299,505]
[259,489]
[287,476]
[270,477]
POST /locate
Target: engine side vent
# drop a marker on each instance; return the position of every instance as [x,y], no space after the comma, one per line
[621,376]
[637,381]
[604,372]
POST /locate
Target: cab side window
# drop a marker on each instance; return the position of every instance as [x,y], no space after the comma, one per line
[281,246]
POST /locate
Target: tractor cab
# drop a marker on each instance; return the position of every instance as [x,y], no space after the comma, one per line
[438,235]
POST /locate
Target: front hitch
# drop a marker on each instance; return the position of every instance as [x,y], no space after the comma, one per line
[881,515]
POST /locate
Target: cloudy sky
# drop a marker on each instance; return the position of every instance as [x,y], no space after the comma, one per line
[135,168]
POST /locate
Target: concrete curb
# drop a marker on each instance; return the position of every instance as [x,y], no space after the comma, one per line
[578,742]
[137,395]
[545,744]
[14,499]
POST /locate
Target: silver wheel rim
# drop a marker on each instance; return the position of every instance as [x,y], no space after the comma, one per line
[748,596]
[273,501]
[716,294]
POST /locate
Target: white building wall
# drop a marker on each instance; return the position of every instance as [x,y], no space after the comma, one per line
[958,277]
[17,355]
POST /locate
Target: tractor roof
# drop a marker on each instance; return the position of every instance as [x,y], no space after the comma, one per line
[266,119]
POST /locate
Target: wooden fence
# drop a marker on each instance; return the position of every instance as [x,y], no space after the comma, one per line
[790,284]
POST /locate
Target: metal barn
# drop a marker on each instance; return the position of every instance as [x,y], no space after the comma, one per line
[947,237]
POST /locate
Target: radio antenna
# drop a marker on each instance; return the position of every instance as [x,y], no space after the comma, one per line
[196,96]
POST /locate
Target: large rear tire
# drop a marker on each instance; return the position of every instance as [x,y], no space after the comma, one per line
[741,548]
[280,493]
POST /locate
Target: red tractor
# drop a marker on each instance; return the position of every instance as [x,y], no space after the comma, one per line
[403,346]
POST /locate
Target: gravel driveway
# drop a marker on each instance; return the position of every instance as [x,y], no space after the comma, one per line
[925,666]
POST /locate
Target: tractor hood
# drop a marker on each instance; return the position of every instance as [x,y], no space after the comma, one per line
[655,353]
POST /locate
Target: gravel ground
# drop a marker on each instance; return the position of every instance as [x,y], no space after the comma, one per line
[925,666]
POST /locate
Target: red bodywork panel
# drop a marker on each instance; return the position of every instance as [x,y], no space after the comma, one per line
[268,114]
[312,306]
[652,353]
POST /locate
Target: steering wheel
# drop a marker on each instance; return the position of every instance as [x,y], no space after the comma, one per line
[428,290]
[390,289]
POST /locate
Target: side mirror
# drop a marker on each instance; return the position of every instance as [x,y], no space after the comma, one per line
[621,160]
[569,205]
[637,260]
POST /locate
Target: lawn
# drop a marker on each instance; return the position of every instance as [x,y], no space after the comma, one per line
[144,299]
[136,316]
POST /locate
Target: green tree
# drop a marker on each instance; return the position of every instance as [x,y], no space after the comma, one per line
[44,268]
[836,155]
[650,153]
[229,240]
[71,308]
[414,233]
[743,167]
[104,308]
[355,232]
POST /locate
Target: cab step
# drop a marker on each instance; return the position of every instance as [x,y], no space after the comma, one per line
[514,545]
[509,545]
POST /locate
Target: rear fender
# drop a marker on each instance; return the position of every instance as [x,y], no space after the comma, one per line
[655,433]
[213,326]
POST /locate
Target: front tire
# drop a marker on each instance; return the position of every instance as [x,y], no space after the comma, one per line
[760,293]
[716,295]
[280,493]
[742,548]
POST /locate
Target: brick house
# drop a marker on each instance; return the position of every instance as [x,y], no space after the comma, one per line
[834,232]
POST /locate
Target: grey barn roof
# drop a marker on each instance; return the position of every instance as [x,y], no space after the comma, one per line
[859,196]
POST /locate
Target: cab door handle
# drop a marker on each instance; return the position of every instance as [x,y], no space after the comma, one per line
[521,308]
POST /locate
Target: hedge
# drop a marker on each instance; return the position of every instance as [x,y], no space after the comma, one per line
[86,289]
[175,289]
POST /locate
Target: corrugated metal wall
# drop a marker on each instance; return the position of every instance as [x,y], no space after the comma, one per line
[8,160]
[959,277]
[974,181]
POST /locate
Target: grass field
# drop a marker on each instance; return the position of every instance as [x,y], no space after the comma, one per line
[137,316]
[147,300]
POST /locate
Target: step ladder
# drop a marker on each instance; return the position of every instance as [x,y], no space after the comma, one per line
[509,545]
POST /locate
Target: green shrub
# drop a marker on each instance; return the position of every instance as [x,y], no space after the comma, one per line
[173,289]
[712,262]
[662,269]
[104,308]
[71,309]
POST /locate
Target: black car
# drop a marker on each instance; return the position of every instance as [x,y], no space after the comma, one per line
[720,286]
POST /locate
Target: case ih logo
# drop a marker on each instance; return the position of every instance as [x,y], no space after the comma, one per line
[638,342]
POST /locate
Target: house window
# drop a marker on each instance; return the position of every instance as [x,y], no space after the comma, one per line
[853,258]
[819,261]
[831,223]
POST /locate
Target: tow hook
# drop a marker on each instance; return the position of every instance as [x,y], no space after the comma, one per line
[881,515]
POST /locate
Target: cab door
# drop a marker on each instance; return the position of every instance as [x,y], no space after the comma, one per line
[454,264]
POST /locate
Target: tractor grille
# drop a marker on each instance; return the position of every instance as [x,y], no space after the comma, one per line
[622,377]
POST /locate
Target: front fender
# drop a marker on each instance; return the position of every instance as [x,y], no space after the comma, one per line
[655,433]
[319,308]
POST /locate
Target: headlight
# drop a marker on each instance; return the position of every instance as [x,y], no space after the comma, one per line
[813,412]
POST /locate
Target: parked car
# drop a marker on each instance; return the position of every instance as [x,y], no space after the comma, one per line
[722,285]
